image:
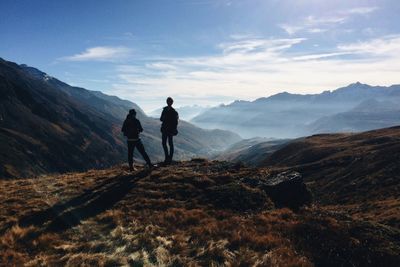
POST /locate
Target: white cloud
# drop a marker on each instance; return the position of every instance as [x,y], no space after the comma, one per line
[100,53]
[242,36]
[320,24]
[160,66]
[317,30]
[259,45]
[312,24]
[361,10]
[247,69]
[291,29]
[387,46]
[320,56]
[313,21]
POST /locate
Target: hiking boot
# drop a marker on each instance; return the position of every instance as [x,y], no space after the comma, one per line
[132,169]
[149,166]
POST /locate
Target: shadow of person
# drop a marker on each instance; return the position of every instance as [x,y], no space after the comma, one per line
[65,215]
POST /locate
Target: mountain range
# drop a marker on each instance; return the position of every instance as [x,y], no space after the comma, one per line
[47,126]
[354,108]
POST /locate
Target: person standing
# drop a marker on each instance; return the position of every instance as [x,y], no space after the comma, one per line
[131,129]
[169,128]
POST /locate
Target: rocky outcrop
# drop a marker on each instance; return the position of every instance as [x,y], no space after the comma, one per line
[285,189]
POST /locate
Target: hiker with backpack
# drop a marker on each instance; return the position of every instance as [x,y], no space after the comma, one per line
[131,129]
[169,128]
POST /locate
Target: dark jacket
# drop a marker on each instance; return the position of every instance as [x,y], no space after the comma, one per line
[169,118]
[131,127]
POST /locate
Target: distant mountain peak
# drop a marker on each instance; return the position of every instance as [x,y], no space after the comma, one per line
[358,84]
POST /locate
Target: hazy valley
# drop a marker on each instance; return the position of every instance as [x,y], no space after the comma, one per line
[354,108]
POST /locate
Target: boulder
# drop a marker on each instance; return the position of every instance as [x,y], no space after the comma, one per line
[287,189]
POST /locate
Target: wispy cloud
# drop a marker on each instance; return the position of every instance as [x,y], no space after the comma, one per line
[320,24]
[259,45]
[312,24]
[100,53]
[291,29]
[320,56]
[246,69]
[361,10]
[209,2]
[388,46]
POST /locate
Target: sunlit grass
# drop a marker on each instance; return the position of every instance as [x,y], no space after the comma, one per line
[175,217]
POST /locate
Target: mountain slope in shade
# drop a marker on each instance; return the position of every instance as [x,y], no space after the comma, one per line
[286,115]
[174,216]
[360,171]
[111,106]
[355,172]
[49,126]
[45,130]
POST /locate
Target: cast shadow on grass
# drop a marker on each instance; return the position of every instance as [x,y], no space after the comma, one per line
[65,215]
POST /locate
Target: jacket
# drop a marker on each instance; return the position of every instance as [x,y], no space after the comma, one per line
[169,118]
[131,127]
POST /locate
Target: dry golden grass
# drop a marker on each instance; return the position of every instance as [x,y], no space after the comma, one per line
[380,211]
[176,216]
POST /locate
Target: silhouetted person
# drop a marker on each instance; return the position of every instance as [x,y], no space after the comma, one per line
[131,129]
[169,128]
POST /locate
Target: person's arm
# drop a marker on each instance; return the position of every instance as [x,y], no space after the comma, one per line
[162,118]
[139,126]
[123,129]
[177,117]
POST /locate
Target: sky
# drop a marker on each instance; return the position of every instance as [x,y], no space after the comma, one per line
[205,52]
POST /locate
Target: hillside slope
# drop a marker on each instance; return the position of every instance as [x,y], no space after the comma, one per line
[361,170]
[48,126]
[45,130]
[195,213]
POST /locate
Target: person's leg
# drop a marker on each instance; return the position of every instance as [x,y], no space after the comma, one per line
[171,146]
[131,148]
[164,144]
[142,151]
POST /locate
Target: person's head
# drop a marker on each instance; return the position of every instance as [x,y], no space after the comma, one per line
[170,101]
[132,112]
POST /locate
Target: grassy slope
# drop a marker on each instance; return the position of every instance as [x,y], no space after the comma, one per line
[176,216]
[358,171]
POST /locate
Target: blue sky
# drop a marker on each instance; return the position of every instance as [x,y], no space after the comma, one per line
[205,52]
